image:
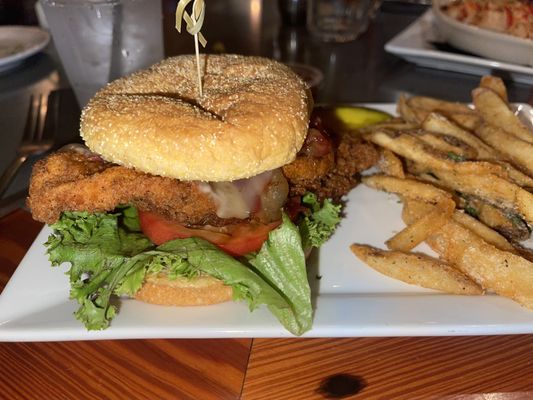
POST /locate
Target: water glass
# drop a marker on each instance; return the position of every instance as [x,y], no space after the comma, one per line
[101,40]
[340,20]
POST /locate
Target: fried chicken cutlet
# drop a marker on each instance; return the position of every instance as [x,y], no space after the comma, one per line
[73,180]
[76,181]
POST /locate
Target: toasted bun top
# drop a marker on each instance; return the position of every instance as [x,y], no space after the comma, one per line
[252,117]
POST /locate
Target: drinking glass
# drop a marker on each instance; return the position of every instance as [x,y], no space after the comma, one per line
[101,40]
[340,20]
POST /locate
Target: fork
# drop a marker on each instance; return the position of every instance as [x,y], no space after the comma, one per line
[35,140]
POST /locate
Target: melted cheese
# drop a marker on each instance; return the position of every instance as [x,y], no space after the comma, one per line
[237,199]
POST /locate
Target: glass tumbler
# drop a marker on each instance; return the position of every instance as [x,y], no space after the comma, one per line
[340,20]
[101,40]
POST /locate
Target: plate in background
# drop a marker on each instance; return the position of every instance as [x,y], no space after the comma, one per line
[483,42]
[421,43]
[20,42]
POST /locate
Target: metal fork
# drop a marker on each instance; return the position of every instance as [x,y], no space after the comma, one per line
[35,140]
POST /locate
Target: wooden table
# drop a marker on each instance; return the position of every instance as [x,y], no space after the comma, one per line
[465,368]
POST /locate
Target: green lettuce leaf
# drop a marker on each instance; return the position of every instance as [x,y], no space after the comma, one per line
[318,226]
[109,257]
[281,262]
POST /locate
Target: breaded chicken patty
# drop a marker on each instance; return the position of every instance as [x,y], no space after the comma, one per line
[73,181]
[70,180]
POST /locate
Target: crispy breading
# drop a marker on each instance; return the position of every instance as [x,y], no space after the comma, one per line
[352,156]
[70,180]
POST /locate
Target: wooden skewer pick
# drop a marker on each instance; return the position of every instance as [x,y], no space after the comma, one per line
[194,24]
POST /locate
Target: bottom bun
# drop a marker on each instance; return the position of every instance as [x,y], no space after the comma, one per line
[200,291]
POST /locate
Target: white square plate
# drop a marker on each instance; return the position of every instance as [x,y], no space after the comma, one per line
[350,299]
[417,44]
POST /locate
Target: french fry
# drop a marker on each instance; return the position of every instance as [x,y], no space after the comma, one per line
[438,105]
[423,173]
[495,200]
[468,121]
[458,112]
[447,144]
[417,269]
[390,164]
[483,231]
[414,210]
[496,112]
[500,193]
[414,149]
[502,272]
[408,188]
[408,113]
[505,273]
[518,151]
[491,188]
[524,200]
[510,226]
[436,122]
[439,123]
[495,84]
[517,176]
[397,124]
[416,232]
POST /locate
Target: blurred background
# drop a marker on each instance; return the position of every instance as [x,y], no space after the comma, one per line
[17,12]
[358,70]
[257,27]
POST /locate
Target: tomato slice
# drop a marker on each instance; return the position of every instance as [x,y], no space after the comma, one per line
[239,240]
[160,230]
[247,238]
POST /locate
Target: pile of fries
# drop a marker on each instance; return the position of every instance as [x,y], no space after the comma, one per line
[464,176]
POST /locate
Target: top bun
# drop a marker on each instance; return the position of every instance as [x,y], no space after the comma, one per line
[253,117]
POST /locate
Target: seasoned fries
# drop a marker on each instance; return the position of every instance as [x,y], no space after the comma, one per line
[491,188]
[435,122]
[408,113]
[443,106]
[417,269]
[499,220]
[408,188]
[483,231]
[414,149]
[415,233]
[495,84]
[518,151]
[390,164]
[414,210]
[516,176]
[465,177]
[447,144]
[439,123]
[496,112]
[500,271]
[417,108]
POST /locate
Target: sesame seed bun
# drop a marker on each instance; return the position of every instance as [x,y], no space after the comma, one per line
[253,117]
[203,290]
